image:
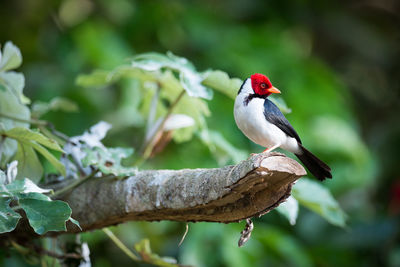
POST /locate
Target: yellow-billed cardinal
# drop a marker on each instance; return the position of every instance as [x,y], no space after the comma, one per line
[263,123]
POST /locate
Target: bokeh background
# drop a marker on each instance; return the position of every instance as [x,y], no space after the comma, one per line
[336,62]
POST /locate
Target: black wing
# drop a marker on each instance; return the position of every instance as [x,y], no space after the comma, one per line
[275,116]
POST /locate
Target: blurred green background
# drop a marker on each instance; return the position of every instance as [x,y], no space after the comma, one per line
[337,64]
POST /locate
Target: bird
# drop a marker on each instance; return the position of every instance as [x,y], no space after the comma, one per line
[262,122]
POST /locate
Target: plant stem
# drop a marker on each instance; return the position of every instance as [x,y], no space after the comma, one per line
[74,184]
[57,133]
[31,121]
[184,235]
[149,145]
[153,109]
[41,251]
[121,245]
[40,123]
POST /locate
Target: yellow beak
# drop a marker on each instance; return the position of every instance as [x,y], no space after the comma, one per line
[273,90]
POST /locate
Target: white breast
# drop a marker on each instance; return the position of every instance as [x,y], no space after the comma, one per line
[251,121]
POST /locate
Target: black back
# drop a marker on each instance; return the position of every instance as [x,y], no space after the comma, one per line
[275,116]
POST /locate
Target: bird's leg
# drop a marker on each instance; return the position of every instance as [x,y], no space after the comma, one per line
[267,150]
[253,154]
[262,155]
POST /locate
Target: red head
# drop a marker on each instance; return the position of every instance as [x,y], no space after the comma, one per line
[262,86]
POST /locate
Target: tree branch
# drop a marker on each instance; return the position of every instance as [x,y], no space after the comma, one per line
[229,194]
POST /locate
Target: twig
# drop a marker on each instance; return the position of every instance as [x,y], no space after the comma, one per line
[184,235]
[38,123]
[77,164]
[74,184]
[153,109]
[121,245]
[30,121]
[39,250]
[52,254]
[246,233]
[57,133]
[149,144]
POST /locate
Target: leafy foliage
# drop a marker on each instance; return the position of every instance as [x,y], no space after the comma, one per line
[318,199]
[8,217]
[156,72]
[30,140]
[108,160]
[289,209]
[88,151]
[12,101]
[189,78]
[18,188]
[43,214]
[11,57]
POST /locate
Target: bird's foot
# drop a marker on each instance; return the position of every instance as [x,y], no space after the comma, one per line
[265,150]
[269,150]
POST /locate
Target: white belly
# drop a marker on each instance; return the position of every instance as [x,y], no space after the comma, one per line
[251,121]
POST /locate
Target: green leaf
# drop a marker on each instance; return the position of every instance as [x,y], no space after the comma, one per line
[24,186]
[12,171]
[108,160]
[27,136]
[44,215]
[190,79]
[36,140]
[96,78]
[103,77]
[11,105]
[11,57]
[40,108]
[88,140]
[220,81]
[8,217]
[63,104]
[280,103]
[195,108]
[29,164]
[289,209]
[317,198]
[75,222]
[50,157]
[143,248]
[156,61]
[14,82]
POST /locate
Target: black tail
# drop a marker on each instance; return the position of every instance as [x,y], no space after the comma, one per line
[316,166]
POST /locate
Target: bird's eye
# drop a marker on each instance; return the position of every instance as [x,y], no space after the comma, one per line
[263,85]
